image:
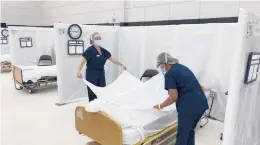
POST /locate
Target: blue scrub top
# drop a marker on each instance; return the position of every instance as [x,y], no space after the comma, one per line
[191,98]
[95,61]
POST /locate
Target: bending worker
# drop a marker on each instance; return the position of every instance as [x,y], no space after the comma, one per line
[185,90]
[95,57]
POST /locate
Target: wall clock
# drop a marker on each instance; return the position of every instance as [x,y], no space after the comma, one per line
[75,31]
[4,33]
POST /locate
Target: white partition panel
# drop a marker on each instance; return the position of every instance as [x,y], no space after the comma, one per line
[37,45]
[131,47]
[157,39]
[242,121]
[70,88]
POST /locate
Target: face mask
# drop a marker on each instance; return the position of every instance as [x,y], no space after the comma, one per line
[163,71]
[97,42]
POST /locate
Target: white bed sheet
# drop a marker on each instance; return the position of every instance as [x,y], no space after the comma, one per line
[5,57]
[34,73]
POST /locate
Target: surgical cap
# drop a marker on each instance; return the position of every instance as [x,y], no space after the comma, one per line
[166,58]
[95,34]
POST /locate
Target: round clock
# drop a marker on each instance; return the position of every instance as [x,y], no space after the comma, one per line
[74,31]
[5,33]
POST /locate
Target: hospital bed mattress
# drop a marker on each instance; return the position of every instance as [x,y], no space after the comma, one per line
[135,125]
[34,73]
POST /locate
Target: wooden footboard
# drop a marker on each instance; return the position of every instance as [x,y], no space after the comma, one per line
[17,75]
[98,127]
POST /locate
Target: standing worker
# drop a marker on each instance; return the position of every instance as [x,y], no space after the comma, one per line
[95,57]
[185,90]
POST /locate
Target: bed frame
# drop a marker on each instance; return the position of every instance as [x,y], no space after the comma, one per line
[101,128]
[32,87]
[6,66]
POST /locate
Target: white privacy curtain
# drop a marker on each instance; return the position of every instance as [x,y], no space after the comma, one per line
[242,120]
[42,43]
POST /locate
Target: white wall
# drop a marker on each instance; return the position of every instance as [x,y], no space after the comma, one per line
[91,12]
[96,11]
[83,12]
[185,9]
[21,13]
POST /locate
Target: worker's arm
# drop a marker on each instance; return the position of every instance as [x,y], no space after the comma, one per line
[173,97]
[117,62]
[83,61]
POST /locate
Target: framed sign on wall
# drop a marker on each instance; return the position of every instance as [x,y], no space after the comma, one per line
[75,47]
[4,40]
[25,42]
[252,68]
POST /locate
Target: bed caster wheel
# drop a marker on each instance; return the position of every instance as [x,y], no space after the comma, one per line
[30,91]
[221,136]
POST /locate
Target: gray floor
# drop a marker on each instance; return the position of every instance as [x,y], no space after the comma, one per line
[33,119]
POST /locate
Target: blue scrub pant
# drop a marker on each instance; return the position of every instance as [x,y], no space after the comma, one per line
[186,125]
[97,78]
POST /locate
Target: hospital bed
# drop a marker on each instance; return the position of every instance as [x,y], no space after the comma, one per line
[33,77]
[106,131]
[105,127]
[6,64]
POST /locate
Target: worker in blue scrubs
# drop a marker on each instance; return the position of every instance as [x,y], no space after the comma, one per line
[95,58]
[185,90]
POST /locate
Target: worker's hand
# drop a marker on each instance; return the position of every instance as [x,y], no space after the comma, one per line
[156,107]
[79,75]
[124,67]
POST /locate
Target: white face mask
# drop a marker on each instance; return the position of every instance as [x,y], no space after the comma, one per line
[97,42]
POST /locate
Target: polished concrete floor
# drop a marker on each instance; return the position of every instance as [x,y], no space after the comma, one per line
[34,119]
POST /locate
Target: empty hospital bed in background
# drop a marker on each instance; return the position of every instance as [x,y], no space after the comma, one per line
[6,64]
[33,77]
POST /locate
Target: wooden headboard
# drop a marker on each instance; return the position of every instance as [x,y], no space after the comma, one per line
[98,127]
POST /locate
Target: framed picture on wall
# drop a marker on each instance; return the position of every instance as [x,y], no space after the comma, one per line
[252,68]
[26,42]
[75,47]
[4,40]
